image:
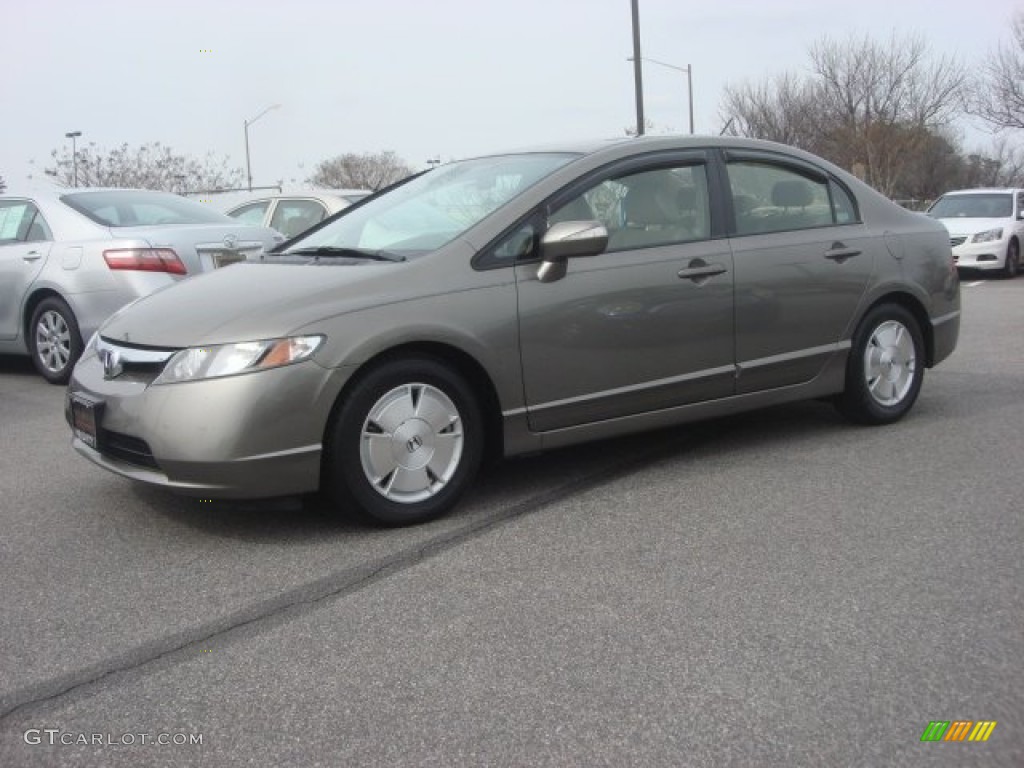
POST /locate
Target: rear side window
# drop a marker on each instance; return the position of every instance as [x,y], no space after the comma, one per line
[21,222]
[773,198]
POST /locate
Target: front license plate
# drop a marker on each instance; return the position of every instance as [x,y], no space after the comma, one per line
[84,417]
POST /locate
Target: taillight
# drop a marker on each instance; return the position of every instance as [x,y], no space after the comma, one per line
[145,260]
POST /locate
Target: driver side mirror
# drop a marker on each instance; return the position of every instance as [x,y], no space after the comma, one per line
[568,239]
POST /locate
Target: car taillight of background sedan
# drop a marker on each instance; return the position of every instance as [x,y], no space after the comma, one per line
[145,260]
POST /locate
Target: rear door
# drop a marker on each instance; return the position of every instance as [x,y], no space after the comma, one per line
[803,259]
[25,242]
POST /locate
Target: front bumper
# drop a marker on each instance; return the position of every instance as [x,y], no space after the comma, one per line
[256,435]
[990,255]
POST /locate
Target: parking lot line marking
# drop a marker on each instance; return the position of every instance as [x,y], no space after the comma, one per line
[975,283]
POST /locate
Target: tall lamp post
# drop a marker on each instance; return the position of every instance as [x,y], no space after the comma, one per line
[248,167]
[74,152]
[688,69]
[638,70]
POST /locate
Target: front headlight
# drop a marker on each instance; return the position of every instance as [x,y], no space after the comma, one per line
[988,235]
[231,359]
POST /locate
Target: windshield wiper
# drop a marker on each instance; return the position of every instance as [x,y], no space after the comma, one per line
[344,253]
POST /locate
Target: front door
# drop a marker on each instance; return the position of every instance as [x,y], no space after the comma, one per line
[646,325]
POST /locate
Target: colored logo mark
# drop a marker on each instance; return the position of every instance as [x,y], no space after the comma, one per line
[958,730]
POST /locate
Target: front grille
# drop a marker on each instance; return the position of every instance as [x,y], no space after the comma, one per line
[130,362]
[130,450]
[955,241]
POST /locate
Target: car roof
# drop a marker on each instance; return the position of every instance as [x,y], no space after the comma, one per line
[54,194]
[982,191]
[628,145]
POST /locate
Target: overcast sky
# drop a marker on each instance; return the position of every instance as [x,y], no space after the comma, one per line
[448,78]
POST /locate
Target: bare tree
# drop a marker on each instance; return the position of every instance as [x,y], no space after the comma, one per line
[150,166]
[632,132]
[3,184]
[1003,167]
[870,107]
[783,108]
[998,95]
[361,171]
[885,100]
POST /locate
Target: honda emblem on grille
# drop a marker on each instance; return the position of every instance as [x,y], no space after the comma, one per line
[111,360]
[230,242]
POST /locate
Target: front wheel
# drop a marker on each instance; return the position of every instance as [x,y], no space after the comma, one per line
[54,340]
[885,368]
[1012,263]
[405,444]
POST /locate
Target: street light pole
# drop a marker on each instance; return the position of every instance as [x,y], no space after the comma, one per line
[638,76]
[688,69]
[248,166]
[74,152]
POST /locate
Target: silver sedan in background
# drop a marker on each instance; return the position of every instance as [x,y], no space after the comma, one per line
[71,258]
[519,302]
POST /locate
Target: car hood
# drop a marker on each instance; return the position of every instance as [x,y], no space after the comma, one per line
[247,302]
[971,226]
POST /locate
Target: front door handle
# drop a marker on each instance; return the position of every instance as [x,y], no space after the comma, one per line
[840,253]
[700,269]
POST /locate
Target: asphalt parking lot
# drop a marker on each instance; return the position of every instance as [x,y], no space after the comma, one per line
[777,589]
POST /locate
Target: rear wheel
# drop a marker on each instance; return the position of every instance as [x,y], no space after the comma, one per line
[406,443]
[54,340]
[885,368]
[1012,263]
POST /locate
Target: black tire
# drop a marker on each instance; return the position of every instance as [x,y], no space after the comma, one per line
[54,340]
[1012,263]
[899,364]
[435,474]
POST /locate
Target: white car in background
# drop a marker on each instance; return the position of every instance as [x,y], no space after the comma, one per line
[986,227]
[292,213]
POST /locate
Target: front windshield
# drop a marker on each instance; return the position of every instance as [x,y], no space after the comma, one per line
[986,206]
[435,208]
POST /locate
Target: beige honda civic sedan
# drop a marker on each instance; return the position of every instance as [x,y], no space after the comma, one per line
[518,302]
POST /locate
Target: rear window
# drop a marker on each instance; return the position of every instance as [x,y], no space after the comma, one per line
[140,208]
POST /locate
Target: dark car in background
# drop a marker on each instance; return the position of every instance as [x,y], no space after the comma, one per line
[71,258]
[513,303]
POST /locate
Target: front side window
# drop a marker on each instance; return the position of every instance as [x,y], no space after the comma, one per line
[772,198]
[650,208]
[436,207]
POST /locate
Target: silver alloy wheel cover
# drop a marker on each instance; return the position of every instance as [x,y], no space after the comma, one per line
[411,443]
[890,363]
[53,341]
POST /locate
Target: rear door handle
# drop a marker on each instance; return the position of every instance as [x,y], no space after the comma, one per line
[32,256]
[840,253]
[699,269]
